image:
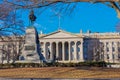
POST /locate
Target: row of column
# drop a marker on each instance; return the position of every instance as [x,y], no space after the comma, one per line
[72,52]
[110,54]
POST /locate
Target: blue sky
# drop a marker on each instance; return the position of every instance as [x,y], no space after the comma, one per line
[86,16]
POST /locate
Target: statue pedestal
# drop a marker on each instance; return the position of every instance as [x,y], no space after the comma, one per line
[31,50]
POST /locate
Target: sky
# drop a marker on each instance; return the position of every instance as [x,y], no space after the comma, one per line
[86,16]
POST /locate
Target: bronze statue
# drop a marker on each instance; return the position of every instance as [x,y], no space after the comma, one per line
[32,17]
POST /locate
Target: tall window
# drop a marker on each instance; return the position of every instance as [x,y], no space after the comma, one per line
[119,56]
[118,49]
[112,43]
[113,56]
[113,49]
[107,43]
[107,56]
[107,49]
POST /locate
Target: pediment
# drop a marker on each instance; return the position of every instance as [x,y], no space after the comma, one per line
[60,34]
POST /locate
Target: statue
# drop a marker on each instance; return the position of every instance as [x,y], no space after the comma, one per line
[32,17]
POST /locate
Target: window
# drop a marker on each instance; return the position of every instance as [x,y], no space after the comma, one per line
[113,56]
[107,49]
[10,45]
[118,43]
[106,43]
[118,49]
[112,43]
[113,49]
[119,56]
[107,56]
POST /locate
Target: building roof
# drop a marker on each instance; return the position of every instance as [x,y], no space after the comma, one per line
[62,33]
[59,34]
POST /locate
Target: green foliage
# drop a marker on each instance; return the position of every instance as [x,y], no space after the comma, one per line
[93,64]
[54,64]
[80,64]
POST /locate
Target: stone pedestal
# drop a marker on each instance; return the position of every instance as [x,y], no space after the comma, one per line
[1,58]
[31,50]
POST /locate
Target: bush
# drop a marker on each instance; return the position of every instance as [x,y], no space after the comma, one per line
[93,64]
[55,64]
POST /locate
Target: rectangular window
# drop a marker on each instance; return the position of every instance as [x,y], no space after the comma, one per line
[113,43]
[106,43]
[113,56]
[113,49]
[119,56]
[118,49]
[107,49]
[107,56]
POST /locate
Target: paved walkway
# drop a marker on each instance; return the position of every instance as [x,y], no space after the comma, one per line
[56,79]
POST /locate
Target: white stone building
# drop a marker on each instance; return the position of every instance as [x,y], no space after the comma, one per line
[10,48]
[67,47]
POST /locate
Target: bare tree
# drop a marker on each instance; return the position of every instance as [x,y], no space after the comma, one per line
[118,27]
[11,48]
[17,46]
[9,21]
[10,29]
[10,24]
[95,50]
[23,4]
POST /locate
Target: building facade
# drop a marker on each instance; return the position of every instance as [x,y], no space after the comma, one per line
[67,47]
[10,48]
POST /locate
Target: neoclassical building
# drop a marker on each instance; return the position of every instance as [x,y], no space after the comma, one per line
[70,47]
[64,47]
[10,48]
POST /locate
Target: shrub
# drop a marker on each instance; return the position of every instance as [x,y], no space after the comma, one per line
[55,64]
[93,64]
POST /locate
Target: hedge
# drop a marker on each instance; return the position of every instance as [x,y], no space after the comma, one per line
[55,64]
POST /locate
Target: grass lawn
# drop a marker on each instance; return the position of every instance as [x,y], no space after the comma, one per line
[60,72]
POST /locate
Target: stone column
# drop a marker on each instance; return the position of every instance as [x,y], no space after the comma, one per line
[81,52]
[75,51]
[57,55]
[110,52]
[51,53]
[44,49]
[63,51]
[69,47]
[105,52]
[17,46]
[116,51]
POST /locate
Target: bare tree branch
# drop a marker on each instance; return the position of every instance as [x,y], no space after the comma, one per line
[28,4]
[116,7]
